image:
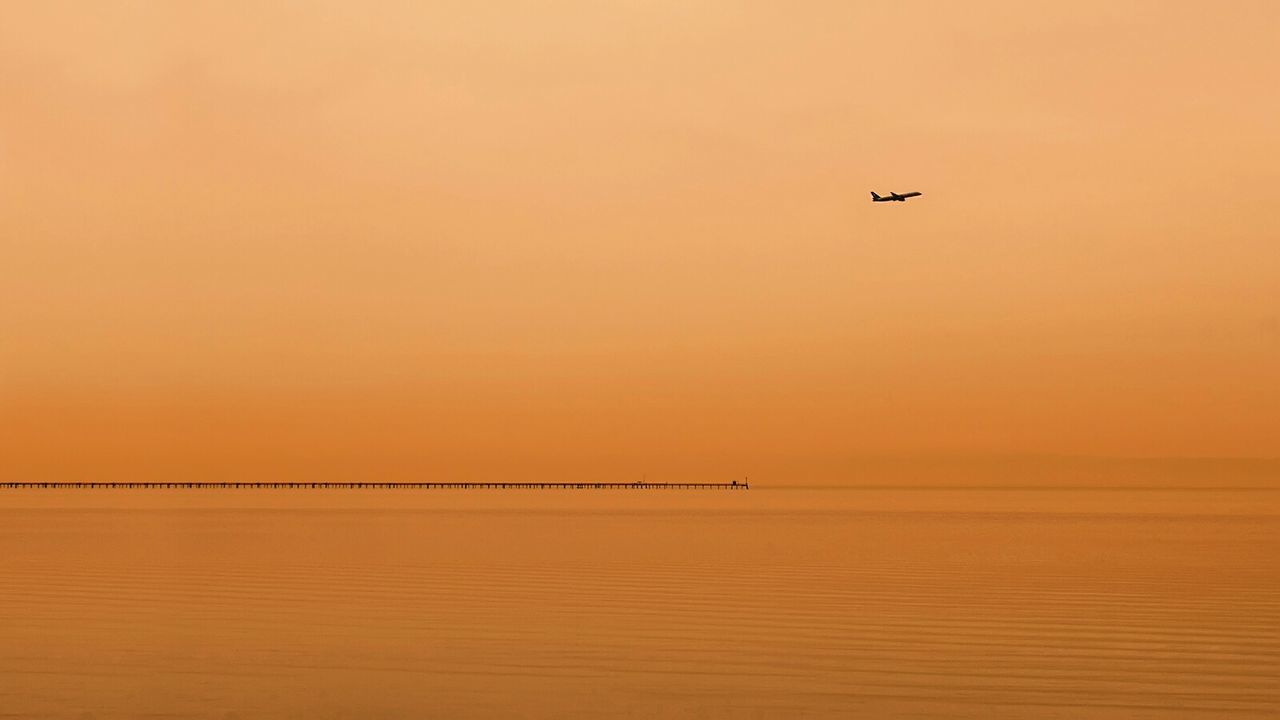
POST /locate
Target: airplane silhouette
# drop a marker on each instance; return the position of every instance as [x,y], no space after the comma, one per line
[893,197]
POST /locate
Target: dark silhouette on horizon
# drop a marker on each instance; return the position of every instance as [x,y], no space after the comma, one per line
[367,484]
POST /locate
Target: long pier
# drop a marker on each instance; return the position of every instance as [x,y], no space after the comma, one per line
[372,486]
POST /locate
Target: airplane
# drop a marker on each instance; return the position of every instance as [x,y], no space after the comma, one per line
[893,197]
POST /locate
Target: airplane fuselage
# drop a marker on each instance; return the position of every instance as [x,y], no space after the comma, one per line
[894,197]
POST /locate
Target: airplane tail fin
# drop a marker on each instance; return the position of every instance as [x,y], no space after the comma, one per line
[874,196]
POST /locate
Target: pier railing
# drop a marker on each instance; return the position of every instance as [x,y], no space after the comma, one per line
[375,485]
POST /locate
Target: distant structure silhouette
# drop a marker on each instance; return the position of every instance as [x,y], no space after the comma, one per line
[641,485]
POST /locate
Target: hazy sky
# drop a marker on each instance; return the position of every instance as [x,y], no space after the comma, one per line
[589,239]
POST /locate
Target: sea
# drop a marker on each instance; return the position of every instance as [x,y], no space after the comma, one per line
[782,601]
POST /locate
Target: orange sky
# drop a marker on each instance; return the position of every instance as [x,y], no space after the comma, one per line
[581,239]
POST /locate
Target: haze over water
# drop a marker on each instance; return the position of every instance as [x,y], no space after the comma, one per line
[773,603]
[572,240]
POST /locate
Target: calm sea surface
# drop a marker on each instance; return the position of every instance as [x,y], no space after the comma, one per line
[771,603]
